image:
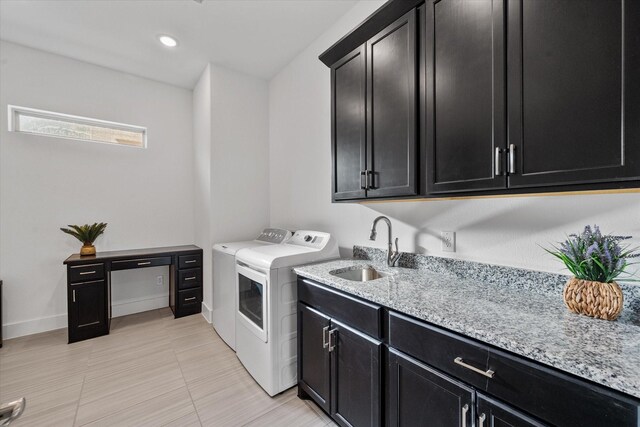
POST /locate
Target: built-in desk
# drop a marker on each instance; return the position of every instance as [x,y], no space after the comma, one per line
[89,284]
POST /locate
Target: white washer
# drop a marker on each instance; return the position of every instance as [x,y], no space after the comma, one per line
[223,314]
[266,323]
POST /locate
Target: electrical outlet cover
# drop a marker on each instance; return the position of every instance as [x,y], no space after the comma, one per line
[448,239]
[160,280]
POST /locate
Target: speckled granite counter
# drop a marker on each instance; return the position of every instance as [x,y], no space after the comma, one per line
[517,317]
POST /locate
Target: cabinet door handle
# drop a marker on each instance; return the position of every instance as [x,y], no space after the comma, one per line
[488,373]
[144,263]
[325,343]
[74,295]
[370,180]
[481,419]
[82,273]
[190,261]
[498,162]
[363,180]
[332,339]
[512,158]
[465,409]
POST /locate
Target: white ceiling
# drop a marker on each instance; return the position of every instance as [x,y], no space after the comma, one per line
[257,37]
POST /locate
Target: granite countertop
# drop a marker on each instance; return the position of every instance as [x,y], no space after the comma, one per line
[533,324]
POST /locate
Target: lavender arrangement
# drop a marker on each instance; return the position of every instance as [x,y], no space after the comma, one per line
[594,256]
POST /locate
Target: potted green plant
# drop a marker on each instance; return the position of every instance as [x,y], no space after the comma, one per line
[87,234]
[595,260]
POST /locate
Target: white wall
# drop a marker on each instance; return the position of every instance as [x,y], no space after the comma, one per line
[146,195]
[232,172]
[504,231]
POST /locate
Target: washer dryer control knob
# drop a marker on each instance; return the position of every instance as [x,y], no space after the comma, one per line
[307,238]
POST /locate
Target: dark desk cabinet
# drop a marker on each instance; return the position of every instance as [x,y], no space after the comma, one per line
[89,285]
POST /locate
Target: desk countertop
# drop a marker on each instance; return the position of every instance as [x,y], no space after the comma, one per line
[129,253]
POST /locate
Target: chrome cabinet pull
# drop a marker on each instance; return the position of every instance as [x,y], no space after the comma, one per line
[370,180]
[82,273]
[481,420]
[465,409]
[11,411]
[512,158]
[190,278]
[144,263]
[190,299]
[190,262]
[332,339]
[498,162]
[363,180]
[74,295]
[488,373]
[325,343]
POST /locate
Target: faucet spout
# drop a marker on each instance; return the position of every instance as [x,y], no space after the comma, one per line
[392,256]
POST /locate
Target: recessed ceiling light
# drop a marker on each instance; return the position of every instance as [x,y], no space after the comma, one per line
[168,41]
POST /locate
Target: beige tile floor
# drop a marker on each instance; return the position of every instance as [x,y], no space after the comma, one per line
[151,370]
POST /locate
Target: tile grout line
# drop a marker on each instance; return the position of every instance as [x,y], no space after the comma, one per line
[186,385]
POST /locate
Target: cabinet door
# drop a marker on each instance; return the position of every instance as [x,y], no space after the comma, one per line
[493,413]
[355,377]
[574,95]
[348,131]
[313,355]
[87,310]
[392,109]
[466,108]
[418,395]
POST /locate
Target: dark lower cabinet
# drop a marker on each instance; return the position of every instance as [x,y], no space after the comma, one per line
[87,310]
[355,377]
[313,367]
[493,413]
[419,395]
[339,368]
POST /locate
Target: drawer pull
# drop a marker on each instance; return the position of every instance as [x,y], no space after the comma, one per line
[325,343]
[74,295]
[488,373]
[82,273]
[190,278]
[144,263]
[481,419]
[190,299]
[465,409]
[190,261]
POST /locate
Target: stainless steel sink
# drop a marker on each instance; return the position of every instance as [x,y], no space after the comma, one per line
[359,274]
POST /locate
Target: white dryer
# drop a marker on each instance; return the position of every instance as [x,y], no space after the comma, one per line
[266,323]
[223,314]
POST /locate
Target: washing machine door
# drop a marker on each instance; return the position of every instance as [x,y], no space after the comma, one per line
[252,308]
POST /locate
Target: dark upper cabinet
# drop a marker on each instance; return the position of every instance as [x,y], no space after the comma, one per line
[355,377]
[348,88]
[418,395]
[87,303]
[493,413]
[374,115]
[313,365]
[465,95]
[574,92]
[392,109]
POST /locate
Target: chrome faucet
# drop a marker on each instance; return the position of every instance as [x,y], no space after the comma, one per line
[392,256]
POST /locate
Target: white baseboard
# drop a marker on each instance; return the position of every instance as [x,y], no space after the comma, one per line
[206,312]
[137,305]
[49,323]
[34,326]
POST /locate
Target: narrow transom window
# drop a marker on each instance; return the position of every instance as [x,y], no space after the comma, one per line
[58,125]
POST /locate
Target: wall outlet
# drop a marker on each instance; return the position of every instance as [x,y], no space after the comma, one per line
[448,239]
[160,280]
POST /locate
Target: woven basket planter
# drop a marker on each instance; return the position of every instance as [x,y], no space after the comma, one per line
[595,299]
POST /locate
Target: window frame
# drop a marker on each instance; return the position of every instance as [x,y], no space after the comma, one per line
[14,111]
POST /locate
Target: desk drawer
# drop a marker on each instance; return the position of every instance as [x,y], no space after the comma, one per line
[85,273]
[189,278]
[189,301]
[140,263]
[189,261]
[440,349]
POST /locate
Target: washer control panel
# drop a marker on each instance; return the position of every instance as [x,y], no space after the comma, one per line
[274,235]
[311,239]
